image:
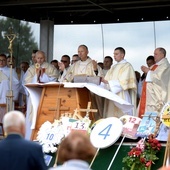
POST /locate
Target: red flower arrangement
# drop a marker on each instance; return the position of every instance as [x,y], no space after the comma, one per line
[143,155]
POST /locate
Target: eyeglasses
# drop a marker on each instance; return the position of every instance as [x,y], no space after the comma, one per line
[63,61]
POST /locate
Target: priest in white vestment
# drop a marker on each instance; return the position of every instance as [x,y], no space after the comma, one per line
[121,80]
[5,83]
[85,66]
[155,89]
[39,72]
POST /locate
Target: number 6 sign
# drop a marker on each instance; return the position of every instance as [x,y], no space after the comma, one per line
[106,132]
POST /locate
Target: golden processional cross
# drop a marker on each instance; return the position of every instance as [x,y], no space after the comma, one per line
[10,104]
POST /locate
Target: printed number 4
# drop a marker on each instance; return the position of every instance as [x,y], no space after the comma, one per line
[105,131]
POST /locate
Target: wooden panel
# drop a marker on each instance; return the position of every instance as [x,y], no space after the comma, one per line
[57,100]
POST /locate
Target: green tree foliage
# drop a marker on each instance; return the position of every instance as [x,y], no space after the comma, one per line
[23,44]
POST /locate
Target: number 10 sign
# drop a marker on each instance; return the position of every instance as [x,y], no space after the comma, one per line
[106,132]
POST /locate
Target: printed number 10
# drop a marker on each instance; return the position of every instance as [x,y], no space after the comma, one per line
[49,136]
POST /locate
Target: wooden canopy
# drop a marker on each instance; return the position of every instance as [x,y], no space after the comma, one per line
[86,11]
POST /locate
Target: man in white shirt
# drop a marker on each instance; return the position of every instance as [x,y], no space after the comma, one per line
[5,83]
[64,65]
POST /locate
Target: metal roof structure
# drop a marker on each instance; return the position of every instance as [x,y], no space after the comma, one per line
[86,11]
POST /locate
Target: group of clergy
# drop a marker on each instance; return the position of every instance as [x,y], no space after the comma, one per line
[11,81]
[120,79]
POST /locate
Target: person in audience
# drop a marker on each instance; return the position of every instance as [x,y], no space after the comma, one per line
[108,61]
[155,88]
[5,83]
[85,66]
[16,152]
[75,58]
[120,80]
[55,64]
[75,151]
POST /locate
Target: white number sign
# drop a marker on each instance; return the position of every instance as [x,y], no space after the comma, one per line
[106,132]
[79,125]
[130,125]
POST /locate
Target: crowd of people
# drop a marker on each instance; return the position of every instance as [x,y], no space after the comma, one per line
[148,92]
[144,92]
[75,151]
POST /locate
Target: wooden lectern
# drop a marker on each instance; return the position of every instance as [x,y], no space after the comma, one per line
[56,100]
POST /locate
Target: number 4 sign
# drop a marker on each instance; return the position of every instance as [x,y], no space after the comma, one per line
[106,132]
